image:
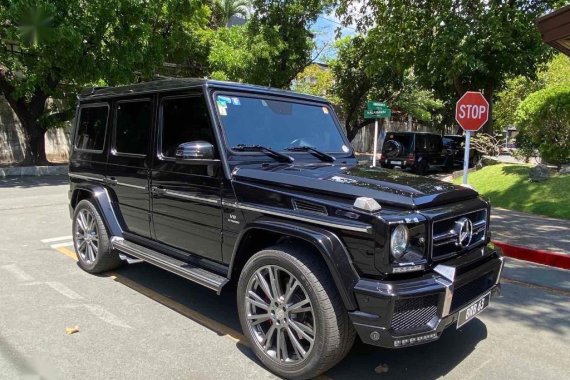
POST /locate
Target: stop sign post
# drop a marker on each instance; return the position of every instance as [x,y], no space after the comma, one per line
[471,112]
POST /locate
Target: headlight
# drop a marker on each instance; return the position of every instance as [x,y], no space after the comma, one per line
[399,241]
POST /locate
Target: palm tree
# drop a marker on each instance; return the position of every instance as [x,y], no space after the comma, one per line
[225,9]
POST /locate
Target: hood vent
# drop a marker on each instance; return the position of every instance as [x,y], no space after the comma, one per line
[305,206]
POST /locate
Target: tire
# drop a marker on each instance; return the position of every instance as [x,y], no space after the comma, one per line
[421,167]
[327,319]
[92,244]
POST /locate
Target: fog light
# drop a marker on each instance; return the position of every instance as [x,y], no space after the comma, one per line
[375,335]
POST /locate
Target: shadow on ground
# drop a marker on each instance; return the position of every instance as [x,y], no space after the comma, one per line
[429,361]
[27,182]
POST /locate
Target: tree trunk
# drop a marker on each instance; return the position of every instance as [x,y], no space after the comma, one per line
[29,112]
[35,147]
[488,93]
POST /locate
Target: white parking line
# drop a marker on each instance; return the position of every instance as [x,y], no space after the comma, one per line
[17,272]
[62,289]
[51,240]
[59,245]
[101,313]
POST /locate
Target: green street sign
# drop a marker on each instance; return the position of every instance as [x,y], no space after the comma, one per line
[378,113]
[374,105]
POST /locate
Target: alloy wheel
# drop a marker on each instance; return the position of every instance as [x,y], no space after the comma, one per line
[280,315]
[86,236]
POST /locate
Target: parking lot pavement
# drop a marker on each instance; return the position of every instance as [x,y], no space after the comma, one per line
[142,322]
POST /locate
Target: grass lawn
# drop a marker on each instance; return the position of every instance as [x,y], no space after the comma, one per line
[507,186]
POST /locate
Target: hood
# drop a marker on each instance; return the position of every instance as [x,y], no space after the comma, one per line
[387,187]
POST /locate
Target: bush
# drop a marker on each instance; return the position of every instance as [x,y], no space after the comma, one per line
[543,119]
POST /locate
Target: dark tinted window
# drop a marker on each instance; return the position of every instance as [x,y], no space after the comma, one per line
[132,128]
[278,124]
[184,120]
[91,128]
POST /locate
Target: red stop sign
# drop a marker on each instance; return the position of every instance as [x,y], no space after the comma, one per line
[472,111]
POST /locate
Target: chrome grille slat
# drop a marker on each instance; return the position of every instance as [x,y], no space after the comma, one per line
[445,238]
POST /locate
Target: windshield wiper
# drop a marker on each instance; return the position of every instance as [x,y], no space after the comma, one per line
[315,152]
[263,149]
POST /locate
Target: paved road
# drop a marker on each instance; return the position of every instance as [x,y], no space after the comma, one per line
[141,322]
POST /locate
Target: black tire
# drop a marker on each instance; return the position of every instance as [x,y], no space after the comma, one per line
[421,167]
[106,258]
[334,333]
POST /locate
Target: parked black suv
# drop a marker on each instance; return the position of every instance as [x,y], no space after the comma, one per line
[455,146]
[217,182]
[418,151]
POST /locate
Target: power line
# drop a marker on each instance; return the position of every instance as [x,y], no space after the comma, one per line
[336,22]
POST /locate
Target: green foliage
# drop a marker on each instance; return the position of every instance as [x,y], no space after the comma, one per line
[456,45]
[316,80]
[508,186]
[223,10]
[515,91]
[284,27]
[544,122]
[555,73]
[361,74]
[52,48]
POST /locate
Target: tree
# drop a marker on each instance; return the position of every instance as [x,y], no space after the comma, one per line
[544,123]
[59,46]
[458,45]
[224,10]
[316,80]
[285,27]
[362,74]
[555,73]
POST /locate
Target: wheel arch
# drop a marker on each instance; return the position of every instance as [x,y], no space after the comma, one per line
[324,243]
[102,201]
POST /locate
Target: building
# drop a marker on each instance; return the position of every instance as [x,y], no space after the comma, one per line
[555,29]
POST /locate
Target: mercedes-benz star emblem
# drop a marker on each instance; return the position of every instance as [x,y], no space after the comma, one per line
[464,231]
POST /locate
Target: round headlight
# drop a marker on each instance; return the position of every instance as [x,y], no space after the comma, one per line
[399,241]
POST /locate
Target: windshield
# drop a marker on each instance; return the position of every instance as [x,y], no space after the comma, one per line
[278,124]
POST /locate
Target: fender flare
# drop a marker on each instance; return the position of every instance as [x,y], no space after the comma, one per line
[327,243]
[104,204]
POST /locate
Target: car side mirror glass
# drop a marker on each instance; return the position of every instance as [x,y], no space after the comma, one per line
[195,150]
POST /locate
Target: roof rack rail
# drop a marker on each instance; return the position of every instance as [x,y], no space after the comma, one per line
[91,90]
[162,77]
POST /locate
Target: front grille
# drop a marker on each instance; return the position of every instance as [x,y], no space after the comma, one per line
[468,292]
[446,237]
[414,313]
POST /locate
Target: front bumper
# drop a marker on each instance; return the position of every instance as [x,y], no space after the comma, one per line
[414,311]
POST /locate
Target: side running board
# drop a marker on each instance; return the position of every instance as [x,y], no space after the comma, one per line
[188,271]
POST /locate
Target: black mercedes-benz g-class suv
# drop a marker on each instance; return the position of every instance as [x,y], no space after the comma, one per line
[455,145]
[418,151]
[217,182]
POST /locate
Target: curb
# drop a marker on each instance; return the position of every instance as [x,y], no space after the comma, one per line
[34,171]
[553,259]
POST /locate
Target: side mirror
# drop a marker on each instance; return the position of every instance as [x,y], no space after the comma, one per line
[195,150]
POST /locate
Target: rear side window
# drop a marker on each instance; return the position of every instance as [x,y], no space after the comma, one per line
[92,127]
[133,121]
[184,120]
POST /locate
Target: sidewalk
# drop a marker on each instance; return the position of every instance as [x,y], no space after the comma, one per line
[530,231]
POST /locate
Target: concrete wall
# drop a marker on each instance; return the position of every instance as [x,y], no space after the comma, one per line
[12,138]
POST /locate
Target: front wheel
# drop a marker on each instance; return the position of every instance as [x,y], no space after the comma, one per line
[292,314]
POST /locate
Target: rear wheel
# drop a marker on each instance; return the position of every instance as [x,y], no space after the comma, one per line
[91,241]
[421,167]
[292,314]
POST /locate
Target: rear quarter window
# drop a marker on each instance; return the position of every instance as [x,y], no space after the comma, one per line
[92,127]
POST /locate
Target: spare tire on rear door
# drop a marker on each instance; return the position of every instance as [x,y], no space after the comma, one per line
[393,148]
